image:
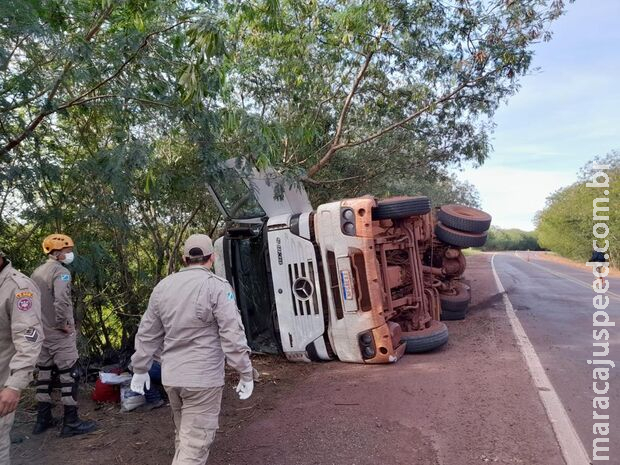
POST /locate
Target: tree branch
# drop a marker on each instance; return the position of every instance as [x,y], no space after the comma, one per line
[17,45]
[345,110]
[110,96]
[177,243]
[314,182]
[82,97]
[336,147]
[422,110]
[77,100]
[24,102]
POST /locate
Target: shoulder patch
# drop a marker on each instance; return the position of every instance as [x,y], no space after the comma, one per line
[230,295]
[65,277]
[24,304]
[19,295]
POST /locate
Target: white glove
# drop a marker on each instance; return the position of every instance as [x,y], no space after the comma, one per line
[244,389]
[138,381]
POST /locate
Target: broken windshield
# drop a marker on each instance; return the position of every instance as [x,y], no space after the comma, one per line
[235,197]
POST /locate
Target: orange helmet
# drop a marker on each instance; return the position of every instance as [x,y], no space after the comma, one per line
[56,242]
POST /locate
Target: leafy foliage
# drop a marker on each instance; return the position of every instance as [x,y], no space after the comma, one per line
[511,239]
[396,79]
[102,139]
[114,114]
[566,224]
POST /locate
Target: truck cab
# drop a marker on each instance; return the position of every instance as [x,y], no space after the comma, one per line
[268,253]
[361,280]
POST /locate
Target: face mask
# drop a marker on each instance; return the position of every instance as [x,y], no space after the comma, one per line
[68,258]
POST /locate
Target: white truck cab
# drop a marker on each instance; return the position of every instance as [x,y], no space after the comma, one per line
[292,290]
[361,280]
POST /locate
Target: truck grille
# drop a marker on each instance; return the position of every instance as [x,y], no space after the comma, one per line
[303,288]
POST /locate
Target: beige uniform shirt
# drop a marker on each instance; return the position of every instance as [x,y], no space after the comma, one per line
[21,333]
[192,315]
[54,280]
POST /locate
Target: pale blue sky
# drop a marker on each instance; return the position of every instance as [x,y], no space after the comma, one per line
[565,114]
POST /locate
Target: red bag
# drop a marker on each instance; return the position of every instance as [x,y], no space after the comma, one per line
[106,392]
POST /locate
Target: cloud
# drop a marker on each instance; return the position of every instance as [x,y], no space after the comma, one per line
[564,115]
[513,195]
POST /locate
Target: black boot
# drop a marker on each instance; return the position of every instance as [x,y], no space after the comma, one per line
[72,425]
[45,419]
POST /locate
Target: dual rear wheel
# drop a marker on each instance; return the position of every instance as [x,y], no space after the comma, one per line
[462,226]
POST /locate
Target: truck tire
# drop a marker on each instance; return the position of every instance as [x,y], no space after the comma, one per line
[427,339]
[457,301]
[453,315]
[464,218]
[454,306]
[401,207]
[458,238]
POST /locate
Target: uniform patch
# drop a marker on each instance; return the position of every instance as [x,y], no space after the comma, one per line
[230,296]
[31,335]
[21,295]
[65,277]
[24,304]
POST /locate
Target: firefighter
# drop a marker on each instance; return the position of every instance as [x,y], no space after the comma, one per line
[21,337]
[59,352]
[193,317]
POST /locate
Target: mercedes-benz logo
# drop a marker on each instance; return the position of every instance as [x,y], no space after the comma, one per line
[303,288]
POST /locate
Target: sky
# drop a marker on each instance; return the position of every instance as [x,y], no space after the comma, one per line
[566,113]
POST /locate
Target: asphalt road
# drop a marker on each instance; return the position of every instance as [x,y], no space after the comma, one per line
[553,302]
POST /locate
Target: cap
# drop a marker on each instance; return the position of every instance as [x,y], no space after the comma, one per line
[198,245]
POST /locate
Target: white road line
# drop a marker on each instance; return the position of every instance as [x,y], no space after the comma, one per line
[570,444]
[565,276]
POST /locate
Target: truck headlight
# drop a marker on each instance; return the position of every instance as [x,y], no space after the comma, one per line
[367,345]
[347,221]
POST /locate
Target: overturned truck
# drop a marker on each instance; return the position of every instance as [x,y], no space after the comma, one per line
[359,280]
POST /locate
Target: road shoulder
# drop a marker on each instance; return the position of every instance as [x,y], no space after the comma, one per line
[471,402]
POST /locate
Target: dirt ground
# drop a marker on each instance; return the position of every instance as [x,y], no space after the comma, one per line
[471,402]
[144,438]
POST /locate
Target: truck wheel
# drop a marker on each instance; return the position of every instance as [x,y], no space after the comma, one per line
[459,238]
[464,218]
[401,207]
[457,300]
[427,339]
[454,305]
[452,315]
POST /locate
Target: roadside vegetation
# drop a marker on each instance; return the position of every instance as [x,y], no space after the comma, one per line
[511,239]
[565,225]
[114,114]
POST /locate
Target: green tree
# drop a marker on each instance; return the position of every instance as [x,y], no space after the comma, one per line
[566,223]
[106,134]
[113,115]
[511,239]
[394,80]
[58,58]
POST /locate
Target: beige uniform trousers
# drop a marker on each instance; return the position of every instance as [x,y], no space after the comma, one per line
[195,412]
[63,361]
[6,422]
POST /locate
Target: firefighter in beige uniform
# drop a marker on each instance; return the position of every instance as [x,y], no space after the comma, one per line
[194,315]
[59,351]
[21,337]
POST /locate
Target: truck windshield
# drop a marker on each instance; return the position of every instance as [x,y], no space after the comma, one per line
[236,198]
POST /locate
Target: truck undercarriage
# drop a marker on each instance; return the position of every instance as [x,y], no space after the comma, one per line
[361,280]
